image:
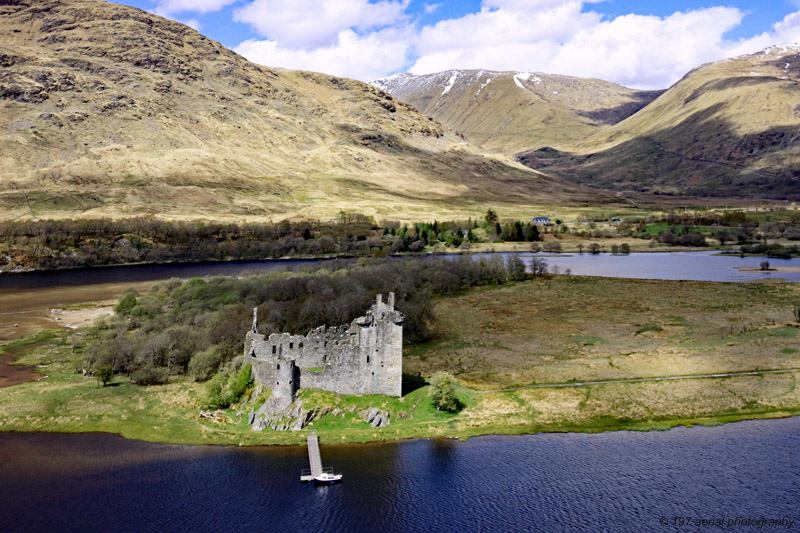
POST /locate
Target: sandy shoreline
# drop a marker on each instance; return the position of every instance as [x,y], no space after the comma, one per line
[777,269]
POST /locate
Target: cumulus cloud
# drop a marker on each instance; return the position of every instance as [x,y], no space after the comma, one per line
[560,37]
[645,51]
[308,24]
[782,32]
[193,23]
[431,8]
[361,57]
[369,39]
[166,8]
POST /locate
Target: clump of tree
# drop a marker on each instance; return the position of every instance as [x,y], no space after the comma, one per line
[443,393]
[197,327]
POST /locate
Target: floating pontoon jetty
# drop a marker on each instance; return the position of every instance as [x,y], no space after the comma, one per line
[317,472]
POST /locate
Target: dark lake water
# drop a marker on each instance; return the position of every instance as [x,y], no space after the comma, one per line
[620,481]
[701,266]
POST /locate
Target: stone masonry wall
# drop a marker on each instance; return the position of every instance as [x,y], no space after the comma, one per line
[362,358]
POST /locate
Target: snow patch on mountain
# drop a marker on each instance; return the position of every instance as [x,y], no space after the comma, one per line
[484,84]
[450,83]
[520,76]
[393,82]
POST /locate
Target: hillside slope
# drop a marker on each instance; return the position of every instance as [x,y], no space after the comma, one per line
[110,110]
[730,128]
[509,112]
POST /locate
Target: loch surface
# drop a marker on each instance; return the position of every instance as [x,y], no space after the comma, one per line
[621,481]
[699,266]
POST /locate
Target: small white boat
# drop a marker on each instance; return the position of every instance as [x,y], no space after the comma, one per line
[326,477]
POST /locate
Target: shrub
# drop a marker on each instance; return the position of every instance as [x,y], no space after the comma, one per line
[515,267]
[443,393]
[150,376]
[553,247]
[214,387]
[237,384]
[126,303]
[104,375]
[204,364]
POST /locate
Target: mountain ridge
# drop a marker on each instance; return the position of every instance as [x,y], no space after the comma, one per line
[726,129]
[730,127]
[110,110]
[509,111]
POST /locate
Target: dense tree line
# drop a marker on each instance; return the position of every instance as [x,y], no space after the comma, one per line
[199,326]
[770,250]
[53,244]
[50,244]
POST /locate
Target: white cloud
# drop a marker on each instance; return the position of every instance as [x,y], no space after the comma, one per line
[367,39]
[556,22]
[361,57]
[308,24]
[782,32]
[165,8]
[645,51]
[559,37]
[193,23]
[431,8]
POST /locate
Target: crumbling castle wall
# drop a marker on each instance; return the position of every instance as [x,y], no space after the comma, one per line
[362,358]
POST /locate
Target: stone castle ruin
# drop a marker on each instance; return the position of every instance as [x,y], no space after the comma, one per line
[362,358]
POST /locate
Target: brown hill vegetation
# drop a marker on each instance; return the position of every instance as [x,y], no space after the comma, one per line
[730,128]
[110,110]
[509,112]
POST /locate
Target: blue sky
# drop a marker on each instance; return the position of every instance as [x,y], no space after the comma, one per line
[645,44]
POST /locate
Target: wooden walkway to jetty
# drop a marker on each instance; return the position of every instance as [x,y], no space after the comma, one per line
[314,459]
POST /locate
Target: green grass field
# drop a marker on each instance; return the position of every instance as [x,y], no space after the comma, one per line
[556,330]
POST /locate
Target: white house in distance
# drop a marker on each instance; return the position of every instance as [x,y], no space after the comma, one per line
[542,221]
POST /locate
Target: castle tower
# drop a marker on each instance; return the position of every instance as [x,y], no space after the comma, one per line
[286,381]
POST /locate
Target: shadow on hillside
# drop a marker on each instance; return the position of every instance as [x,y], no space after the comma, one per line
[612,115]
[701,156]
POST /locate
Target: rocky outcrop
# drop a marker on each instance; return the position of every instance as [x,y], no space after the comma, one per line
[297,417]
[376,417]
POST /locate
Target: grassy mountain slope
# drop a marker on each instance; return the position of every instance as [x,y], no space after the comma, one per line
[109,110]
[730,128]
[510,111]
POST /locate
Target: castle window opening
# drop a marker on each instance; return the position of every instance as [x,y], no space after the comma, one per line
[279,367]
[274,348]
[291,345]
[367,359]
[300,345]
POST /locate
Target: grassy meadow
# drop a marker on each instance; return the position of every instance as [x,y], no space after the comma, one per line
[524,336]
